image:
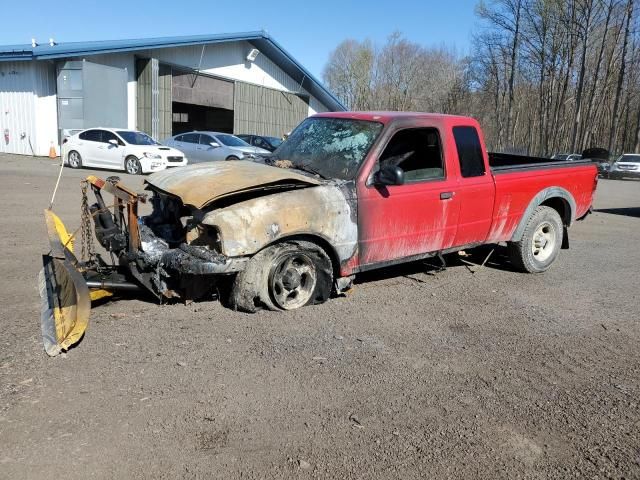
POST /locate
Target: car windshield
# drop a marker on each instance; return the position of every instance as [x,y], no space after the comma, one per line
[231,141]
[630,158]
[274,141]
[137,138]
[330,147]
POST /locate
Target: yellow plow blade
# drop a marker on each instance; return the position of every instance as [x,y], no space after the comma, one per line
[66,299]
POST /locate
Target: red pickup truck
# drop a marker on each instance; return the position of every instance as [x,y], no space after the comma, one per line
[345,193]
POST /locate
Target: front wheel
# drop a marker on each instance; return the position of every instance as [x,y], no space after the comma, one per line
[284,276]
[74,159]
[232,157]
[132,166]
[540,242]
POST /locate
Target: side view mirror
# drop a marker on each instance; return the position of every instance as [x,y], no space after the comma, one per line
[214,144]
[389,175]
[114,142]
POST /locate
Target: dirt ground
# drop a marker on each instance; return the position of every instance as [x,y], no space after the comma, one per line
[415,374]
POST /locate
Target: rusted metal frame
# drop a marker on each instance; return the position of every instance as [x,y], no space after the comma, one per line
[123,195]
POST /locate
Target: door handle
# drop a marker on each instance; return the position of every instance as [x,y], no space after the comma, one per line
[446,195]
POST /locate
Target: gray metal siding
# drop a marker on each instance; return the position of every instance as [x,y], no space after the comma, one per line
[154,107]
[263,111]
[91,95]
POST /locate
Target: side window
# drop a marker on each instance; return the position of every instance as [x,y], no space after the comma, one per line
[179,138]
[469,151]
[90,135]
[206,139]
[418,152]
[259,142]
[191,137]
[106,136]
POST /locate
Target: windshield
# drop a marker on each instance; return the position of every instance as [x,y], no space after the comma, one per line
[231,141]
[274,141]
[137,138]
[630,158]
[332,147]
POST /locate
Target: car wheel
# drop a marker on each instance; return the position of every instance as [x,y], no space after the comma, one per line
[132,166]
[540,242]
[74,159]
[232,157]
[284,276]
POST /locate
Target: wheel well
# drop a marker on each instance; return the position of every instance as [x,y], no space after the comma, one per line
[321,242]
[232,157]
[561,206]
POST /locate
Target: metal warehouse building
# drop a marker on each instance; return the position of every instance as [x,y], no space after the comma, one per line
[235,83]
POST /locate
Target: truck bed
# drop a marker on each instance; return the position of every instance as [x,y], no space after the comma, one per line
[506,162]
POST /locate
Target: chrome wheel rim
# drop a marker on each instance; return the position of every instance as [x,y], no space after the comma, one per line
[74,159]
[543,243]
[132,166]
[293,281]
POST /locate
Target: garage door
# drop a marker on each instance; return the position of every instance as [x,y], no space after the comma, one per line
[264,111]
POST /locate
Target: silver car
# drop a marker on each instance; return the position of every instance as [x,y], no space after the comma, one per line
[209,146]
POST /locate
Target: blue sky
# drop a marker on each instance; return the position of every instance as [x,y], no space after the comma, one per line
[308,30]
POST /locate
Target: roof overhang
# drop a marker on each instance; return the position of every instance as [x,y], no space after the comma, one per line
[260,40]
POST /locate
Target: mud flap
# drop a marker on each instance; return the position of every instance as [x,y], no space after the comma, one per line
[66,304]
[64,294]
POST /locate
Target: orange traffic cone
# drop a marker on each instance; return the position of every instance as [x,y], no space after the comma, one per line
[52,151]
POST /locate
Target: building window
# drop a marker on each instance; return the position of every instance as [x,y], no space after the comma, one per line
[180,117]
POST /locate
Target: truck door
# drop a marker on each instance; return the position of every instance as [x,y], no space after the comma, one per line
[400,221]
[476,190]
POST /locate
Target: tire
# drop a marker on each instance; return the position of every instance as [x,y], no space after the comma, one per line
[540,242]
[132,166]
[74,160]
[232,157]
[284,276]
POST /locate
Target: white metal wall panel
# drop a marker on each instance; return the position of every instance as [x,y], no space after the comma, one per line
[17,112]
[229,60]
[46,114]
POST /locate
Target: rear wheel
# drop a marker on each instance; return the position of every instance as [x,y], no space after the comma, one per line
[74,159]
[132,166]
[284,276]
[540,242]
[232,157]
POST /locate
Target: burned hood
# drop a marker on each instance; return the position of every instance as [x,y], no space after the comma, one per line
[200,184]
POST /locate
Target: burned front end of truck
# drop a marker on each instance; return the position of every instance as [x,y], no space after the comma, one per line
[165,255]
[203,226]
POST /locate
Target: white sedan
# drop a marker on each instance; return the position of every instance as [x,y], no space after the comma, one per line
[119,149]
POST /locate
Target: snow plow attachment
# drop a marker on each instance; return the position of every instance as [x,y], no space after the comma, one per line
[65,296]
[68,285]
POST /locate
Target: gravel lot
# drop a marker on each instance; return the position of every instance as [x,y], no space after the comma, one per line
[415,374]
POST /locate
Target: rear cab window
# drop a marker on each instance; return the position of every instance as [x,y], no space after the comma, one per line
[469,151]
